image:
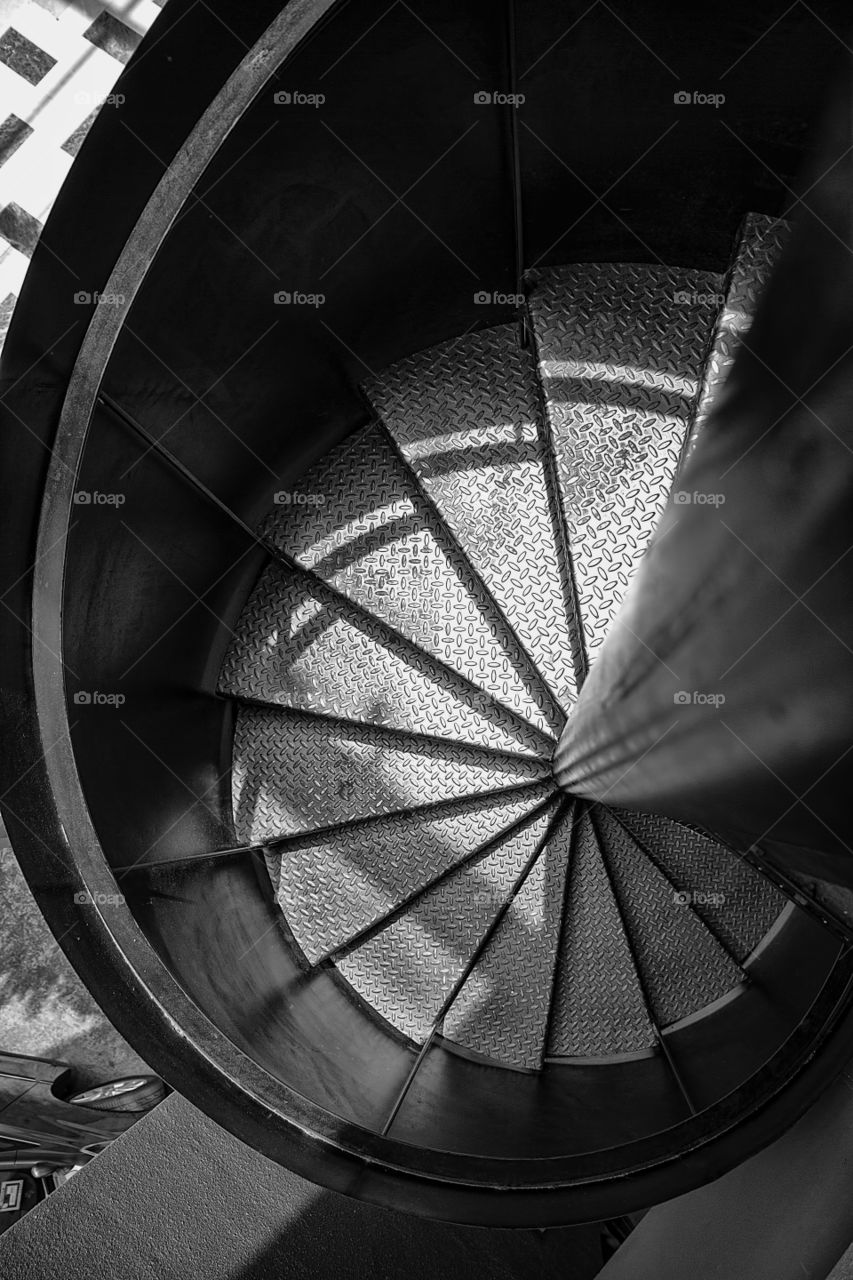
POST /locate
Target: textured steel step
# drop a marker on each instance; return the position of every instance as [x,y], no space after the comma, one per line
[759,244]
[502,1010]
[684,968]
[292,647]
[621,349]
[332,886]
[413,660]
[367,530]
[737,903]
[467,416]
[599,1009]
[295,773]
[406,971]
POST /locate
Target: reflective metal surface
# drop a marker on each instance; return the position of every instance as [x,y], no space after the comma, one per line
[364,528]
[406,971]
[503,1009]
[737,903]
[682,964]
[759,245]
[294,773]
[621,349]
[467,416]
[293,647]
[332,886]
[598,1007]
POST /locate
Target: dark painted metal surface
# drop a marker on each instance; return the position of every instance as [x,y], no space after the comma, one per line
[722,697]
[151,609]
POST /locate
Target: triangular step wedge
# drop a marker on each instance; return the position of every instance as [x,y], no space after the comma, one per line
[332,886]
[297,648]
[737,903]
[683,967]
[621,350]
[759,245]
[502,1010]
[467,418]
[370,534]
[598,1009]
[294,773]
[406,971]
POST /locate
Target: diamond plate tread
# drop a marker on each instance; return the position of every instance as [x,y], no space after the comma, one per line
[684,968]
[621,351]
[598,1002]
[332,886]
[466,417]
[293,773]
[737,903]
[375,540]
[407,971]
[759,246]
[295,648]
[502,1010]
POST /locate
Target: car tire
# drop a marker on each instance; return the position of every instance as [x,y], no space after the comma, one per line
[128,1093]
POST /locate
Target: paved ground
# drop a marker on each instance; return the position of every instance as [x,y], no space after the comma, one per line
[45,1011]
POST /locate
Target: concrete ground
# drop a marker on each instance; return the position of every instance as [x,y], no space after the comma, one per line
[178,1197]
[45,1011]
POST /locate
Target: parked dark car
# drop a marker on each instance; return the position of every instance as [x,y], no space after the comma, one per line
[47,1131]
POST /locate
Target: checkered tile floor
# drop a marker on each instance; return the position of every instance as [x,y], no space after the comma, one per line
[59,60]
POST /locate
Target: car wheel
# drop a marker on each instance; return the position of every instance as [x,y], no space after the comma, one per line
[130,1093]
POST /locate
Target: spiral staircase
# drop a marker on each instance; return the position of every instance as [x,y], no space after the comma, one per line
[282,761]
[437,587]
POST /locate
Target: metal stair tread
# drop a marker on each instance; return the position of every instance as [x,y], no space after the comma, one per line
[684,968]
[502,1009]
[599,1011]
[406,971]
[621,348]
[740,905]
[291,647]
[293,773]
[759,244]
[370,535]
[466,416]
[332,886]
